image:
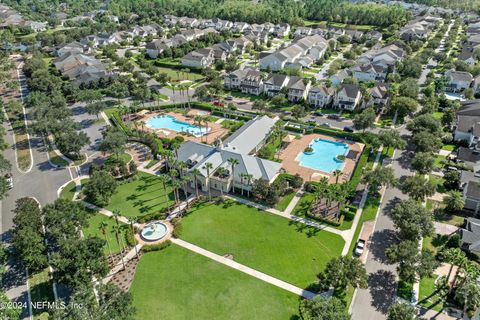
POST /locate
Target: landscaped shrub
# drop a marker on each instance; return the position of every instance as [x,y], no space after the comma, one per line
[177,227]
[153,216]
[157,247]
[130,237]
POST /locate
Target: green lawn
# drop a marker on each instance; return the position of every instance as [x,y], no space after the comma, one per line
[268,243]
[438,115]
[439,161]
[151,163]
[449,147]
[93,229]
[283,203]
[41,289]
[438,182]
[428,295]
[178,75]
[69,191]
[141,196]
[178,284]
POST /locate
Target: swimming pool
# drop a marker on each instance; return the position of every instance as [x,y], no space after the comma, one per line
[171,123]
[324,155]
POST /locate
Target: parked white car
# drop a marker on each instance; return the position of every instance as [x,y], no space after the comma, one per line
[9,179]
[359,248]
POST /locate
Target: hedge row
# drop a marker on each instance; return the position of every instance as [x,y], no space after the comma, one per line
[157,247]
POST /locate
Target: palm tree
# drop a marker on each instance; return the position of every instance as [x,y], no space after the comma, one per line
[184,180]
[103,229]
[116,215]
[233,163]
[132,222]
[337,173]
[221,171]
[249,178]
[208,166]
[198,120]
[195,173]
[176,185]
[242,176]
[118,230]
[181,166]
[205,120]
[455,257]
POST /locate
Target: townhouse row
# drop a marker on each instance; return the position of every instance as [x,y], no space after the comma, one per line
[298,89]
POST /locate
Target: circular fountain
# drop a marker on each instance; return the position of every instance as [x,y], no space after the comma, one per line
[154,231]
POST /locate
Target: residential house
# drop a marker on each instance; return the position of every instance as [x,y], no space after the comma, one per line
[467,125]
[275,83]
[369,72]
[155,48]
[200,58]
[341,75]
[321,96]
[297,89]
[467,56]
[470,235]
[188,22]
[252,83]
[457,81]
[419,28]
[281,30]
[70,47]
[378,95]
[348,97]
[246,140]
[81,68]
[302,52]
[240,27]
[303,31]
[233,80]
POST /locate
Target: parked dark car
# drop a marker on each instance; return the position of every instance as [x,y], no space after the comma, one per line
[348,129]
[333,116]
[319,114]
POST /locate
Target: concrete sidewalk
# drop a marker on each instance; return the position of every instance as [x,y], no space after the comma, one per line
[240,267]
[119,266]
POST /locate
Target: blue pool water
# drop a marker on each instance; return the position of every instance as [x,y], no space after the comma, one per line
[324,156]
[171,123]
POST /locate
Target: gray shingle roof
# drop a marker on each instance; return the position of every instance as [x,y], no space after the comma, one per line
[247,137]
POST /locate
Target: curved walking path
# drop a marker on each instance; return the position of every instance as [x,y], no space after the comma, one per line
[240,267]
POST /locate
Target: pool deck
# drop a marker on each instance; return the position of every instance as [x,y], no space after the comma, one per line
[291,165]
[215,132]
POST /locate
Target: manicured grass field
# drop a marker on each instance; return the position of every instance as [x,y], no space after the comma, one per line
[428,296]
[285,201]
[438,182]
[178,284]
[41,290]
[274,245]
[141,196]
[69,191]
[178,75]
[93,229]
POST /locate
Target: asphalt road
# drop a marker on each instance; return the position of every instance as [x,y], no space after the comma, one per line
[373,303]
[41,182]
